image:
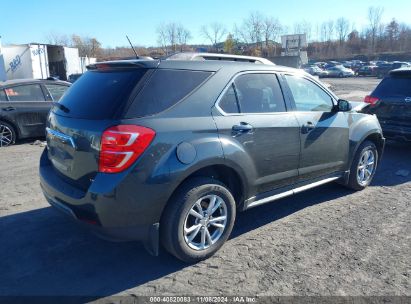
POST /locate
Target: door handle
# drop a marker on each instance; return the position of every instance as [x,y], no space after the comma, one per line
[8,109]
[307,127]
[243,127]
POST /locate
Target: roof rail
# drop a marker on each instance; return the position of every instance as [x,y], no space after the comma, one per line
[215,56]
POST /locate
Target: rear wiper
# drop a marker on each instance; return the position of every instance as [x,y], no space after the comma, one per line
[61,107]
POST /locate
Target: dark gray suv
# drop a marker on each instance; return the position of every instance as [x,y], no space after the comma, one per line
[167,151]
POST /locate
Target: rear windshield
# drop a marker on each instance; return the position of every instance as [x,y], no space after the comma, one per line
[394,86]
[100,94]
[164,89]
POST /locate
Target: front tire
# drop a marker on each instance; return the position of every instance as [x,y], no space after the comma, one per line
[7,134]
[363,167]
[198,219]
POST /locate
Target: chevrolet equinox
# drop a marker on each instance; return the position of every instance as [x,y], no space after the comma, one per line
[167,151]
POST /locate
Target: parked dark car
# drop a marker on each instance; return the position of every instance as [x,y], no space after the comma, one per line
[73,77]
[383,69]
[391,102]
[24,106]
[330,64]
[367,70]
[168,151]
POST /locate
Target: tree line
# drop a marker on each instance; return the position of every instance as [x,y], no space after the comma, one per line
[258,34]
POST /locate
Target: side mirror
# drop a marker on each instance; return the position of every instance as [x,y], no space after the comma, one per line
[343,105]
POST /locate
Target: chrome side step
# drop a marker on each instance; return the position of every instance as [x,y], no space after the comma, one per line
[291,192]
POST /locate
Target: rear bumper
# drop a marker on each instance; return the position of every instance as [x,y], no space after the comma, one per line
[396,132]
[107,213]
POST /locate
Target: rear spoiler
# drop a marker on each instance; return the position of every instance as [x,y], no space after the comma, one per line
[124,64]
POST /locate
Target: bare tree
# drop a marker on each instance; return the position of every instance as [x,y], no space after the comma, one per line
[86,46]
[330,30]
[404,37]
[324,31]
[252,28]
[171,30]
[95,47]
[392,31]
[183,35]
[57,39]
[374,19]
[167,36]
[213,32]
[79,43]
[303,27]
[162,37]
[271,31]
[342,26]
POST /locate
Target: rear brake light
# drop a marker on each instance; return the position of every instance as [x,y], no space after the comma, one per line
[371,100]
[122,145]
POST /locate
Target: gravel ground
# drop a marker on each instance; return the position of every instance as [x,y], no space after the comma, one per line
[354,88]
[326,241]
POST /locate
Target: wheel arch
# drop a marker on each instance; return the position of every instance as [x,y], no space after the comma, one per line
[373,136]
[229,176]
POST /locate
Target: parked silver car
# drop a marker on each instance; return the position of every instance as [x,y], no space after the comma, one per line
[316,71]
[340,71]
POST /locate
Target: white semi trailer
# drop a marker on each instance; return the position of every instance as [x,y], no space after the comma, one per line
[40,61]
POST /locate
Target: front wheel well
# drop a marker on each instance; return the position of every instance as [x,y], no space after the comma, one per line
[377,139]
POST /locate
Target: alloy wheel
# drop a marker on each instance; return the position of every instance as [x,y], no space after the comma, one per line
[205,222]
[366,167]
[6,136]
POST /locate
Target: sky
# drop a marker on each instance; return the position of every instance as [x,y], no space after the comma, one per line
[110,20]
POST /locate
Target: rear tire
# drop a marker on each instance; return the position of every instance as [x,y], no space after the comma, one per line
[7,134]
[198,219]
[363,167]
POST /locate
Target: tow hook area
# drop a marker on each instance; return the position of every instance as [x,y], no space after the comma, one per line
[153,243]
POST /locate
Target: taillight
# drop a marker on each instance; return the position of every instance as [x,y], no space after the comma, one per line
[371,100]
[122,145]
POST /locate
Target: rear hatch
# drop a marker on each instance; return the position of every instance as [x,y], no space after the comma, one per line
[93,125]
[95,102]
[394,105]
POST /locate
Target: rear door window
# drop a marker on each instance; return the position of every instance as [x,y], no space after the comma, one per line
[253,93]
[56,91]
[259,93]
[165,89]
[100,94]
[31,92]
[394,86]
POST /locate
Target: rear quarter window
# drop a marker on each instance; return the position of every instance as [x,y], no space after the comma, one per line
[56,91]
[165,89]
